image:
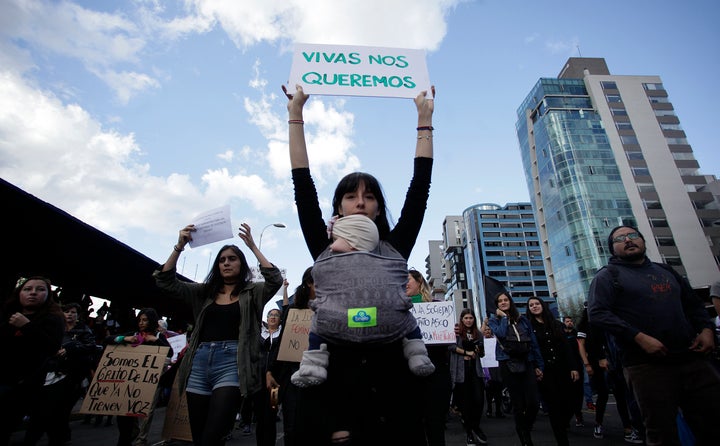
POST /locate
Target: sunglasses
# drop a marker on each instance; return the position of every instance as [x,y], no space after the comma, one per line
[629,236]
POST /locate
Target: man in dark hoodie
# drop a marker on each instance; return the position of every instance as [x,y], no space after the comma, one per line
[663,333]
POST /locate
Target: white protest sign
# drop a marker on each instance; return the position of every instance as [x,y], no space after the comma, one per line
[436,321]
[177,343]
[212,226]
[359,71]
[489,359]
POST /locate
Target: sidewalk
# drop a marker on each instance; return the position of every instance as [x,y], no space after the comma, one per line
[499,432]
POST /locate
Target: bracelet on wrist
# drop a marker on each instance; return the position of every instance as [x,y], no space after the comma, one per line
[426,127]
[296,121]
[176,249]
[427,137]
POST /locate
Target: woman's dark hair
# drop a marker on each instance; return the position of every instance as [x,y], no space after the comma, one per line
[547,318]
[152,317]
[303,291]
[214,279]
[514,314]
[473,330]
[350,183]
[50,306]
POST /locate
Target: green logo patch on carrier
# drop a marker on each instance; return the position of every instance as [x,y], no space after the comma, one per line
[362,317]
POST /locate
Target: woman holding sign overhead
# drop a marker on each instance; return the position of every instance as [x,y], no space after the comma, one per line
[223,353]
[388,411]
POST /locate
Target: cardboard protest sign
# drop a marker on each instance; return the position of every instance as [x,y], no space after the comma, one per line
[125,381]
[436,321]
[295,335]
[359,71]
[177,422]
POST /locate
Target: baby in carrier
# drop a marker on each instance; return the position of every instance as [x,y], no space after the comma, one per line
[360,298]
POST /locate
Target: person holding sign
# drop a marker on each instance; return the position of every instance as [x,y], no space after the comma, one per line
[387,411]
[357,235]
[148,333]
[223,353]
[31,332]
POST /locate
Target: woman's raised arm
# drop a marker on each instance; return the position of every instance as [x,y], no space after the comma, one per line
[298,148]
[425,107]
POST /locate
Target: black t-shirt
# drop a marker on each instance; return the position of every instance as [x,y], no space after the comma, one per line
[222,323]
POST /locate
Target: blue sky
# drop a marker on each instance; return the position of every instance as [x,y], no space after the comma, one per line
[136,116]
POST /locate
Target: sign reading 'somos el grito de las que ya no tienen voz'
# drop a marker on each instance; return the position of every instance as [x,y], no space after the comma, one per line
[359,71]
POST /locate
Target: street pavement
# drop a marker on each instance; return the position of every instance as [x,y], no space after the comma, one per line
[498,431]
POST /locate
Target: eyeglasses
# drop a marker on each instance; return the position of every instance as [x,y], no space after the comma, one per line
[628,236]
[273,315]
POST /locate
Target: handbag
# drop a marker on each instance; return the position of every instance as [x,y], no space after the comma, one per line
[519,347]
[517,350]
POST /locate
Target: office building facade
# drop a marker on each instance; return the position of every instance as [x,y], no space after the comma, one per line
[600,150]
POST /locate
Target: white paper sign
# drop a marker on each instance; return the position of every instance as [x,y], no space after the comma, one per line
[359,71]
[212,226]
[436,321]
[177,343]
[489,359]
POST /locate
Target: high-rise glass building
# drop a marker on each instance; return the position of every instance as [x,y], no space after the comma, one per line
[600,150]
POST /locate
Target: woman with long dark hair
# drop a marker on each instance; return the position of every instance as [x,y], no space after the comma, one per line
[560,369]
[31,332]
[467,374]
[521,363]
[388,412]
[221,361]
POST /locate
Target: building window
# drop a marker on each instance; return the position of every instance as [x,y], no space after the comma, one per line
[608,85]
[665,241]
[665,126]
[640,171]
[628,139]
[646,187]
[617,111]
[664,112]
[658,223]
[689,172]
[653,86]
[613,98]
[491,234]
[676,140]
[623,125]
[683,156]
[658,100]
[634,155]
[673,260]
[652,204]
[567,251]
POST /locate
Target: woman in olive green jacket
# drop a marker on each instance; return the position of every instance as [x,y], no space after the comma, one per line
[222,360]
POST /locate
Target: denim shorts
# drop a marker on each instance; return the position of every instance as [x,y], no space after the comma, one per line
[214,365]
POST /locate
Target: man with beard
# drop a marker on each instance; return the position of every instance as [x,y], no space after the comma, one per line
[663,333]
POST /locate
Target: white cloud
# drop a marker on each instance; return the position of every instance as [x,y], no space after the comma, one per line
[63,155]
[563,47]
[227,155]
[400,23]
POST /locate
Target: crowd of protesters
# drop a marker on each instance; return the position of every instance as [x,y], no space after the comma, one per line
[644,334]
